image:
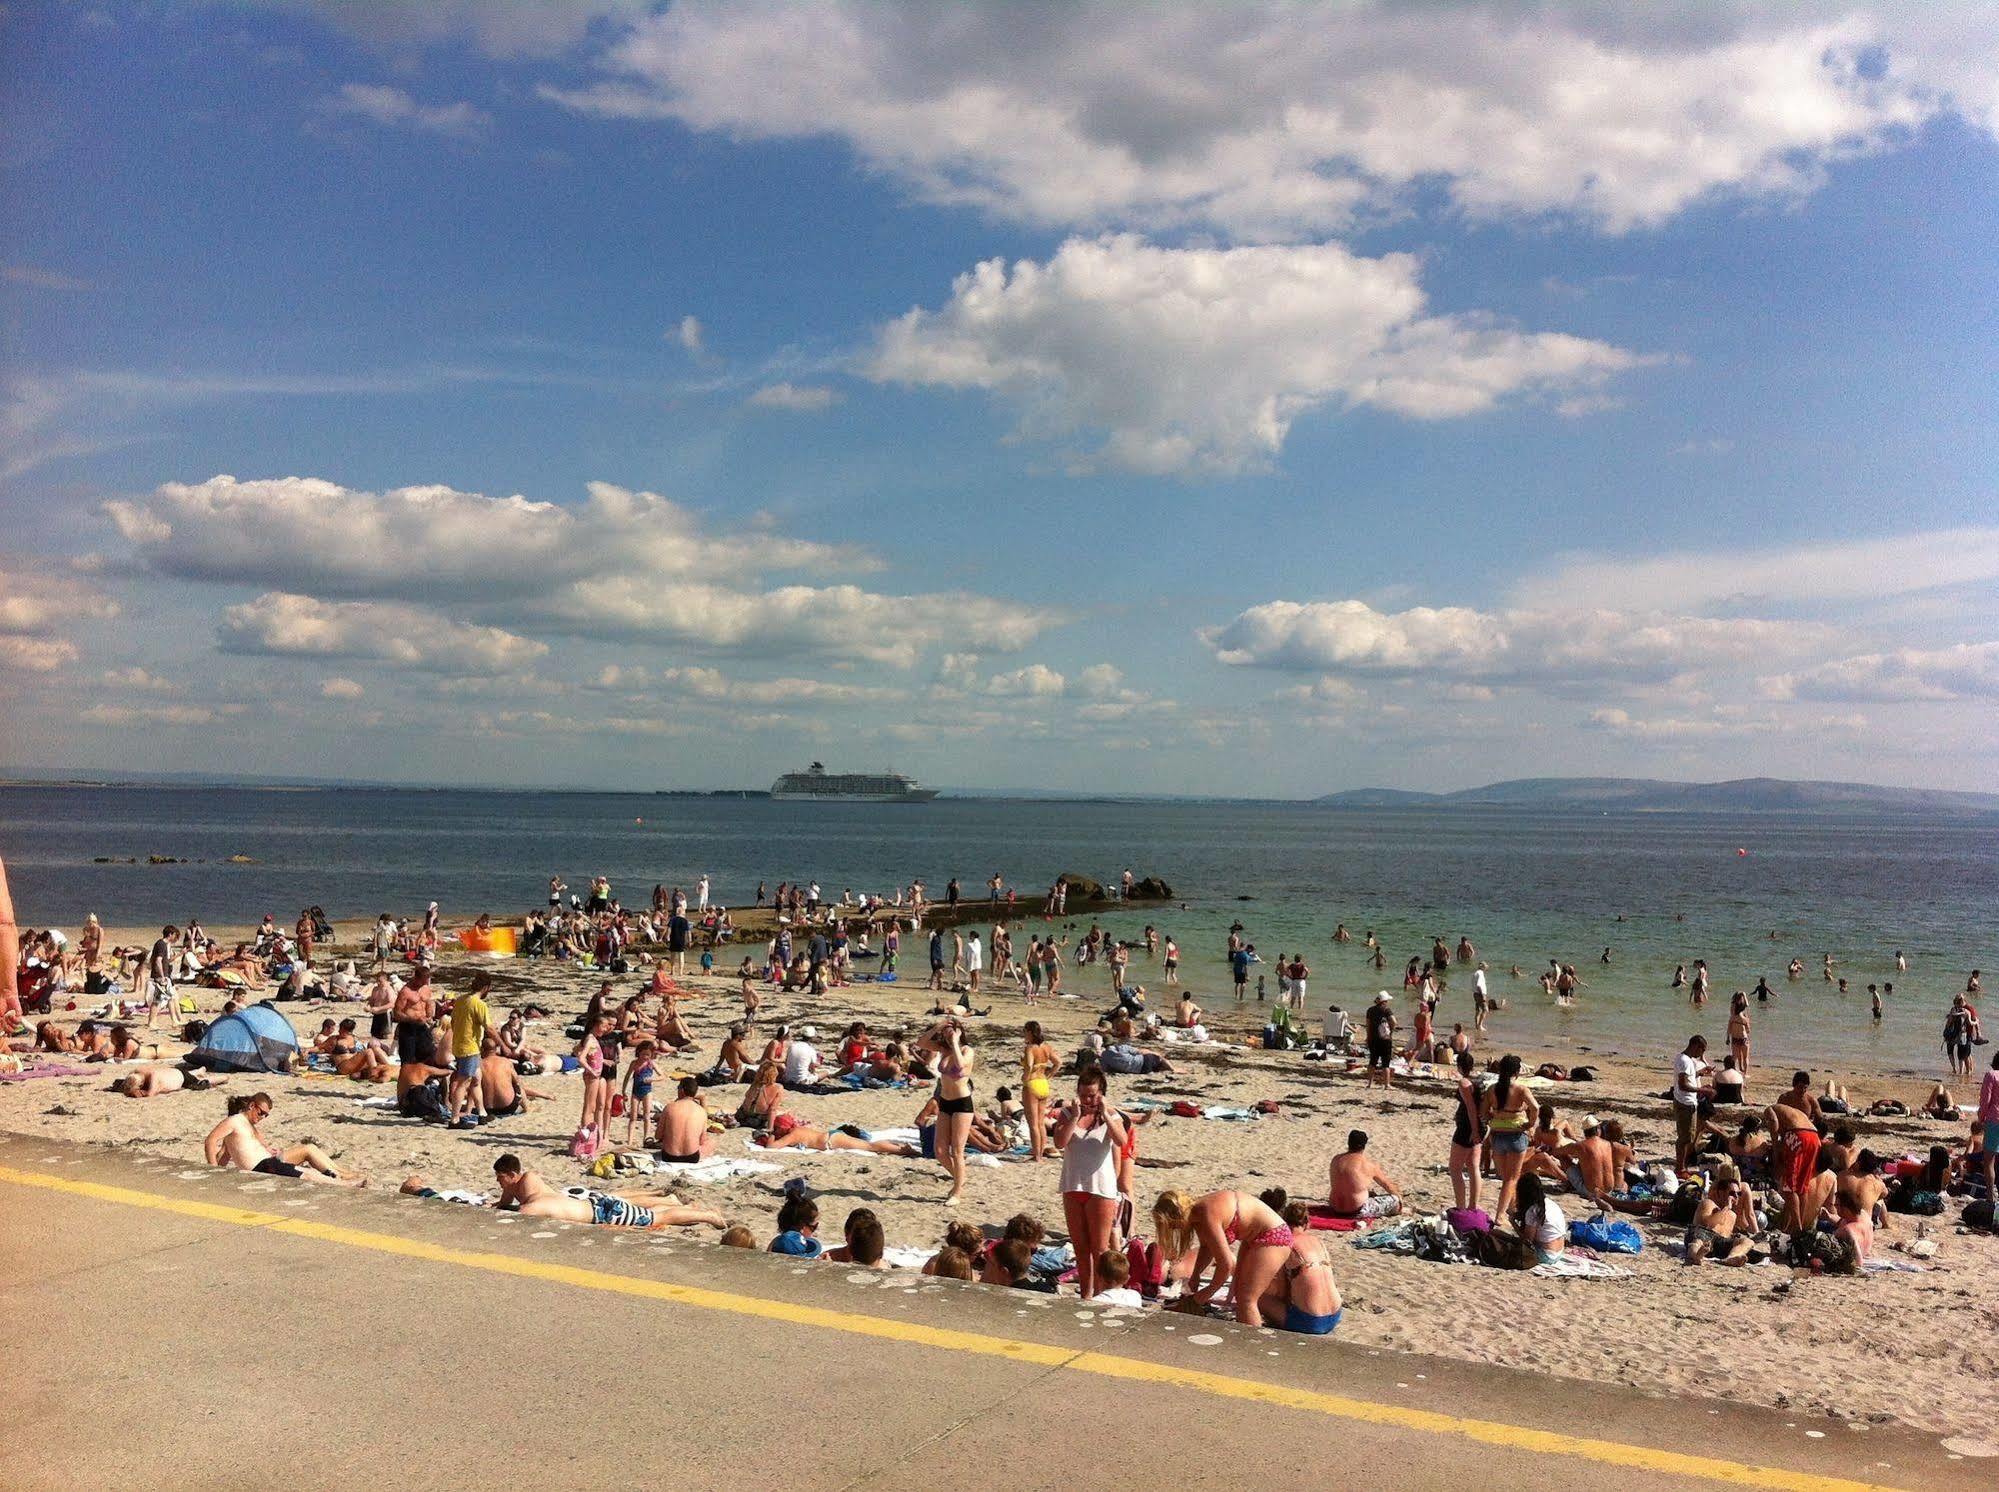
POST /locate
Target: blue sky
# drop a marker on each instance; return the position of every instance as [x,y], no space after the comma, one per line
[1266,400]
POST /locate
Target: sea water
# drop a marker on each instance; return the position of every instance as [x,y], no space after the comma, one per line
[1525,886]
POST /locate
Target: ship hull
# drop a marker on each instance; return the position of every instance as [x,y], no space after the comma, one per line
[915,795]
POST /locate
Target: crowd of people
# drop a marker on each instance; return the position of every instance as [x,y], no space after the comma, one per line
[1784,1179]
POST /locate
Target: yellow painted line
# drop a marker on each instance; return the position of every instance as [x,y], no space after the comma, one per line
[1103,1365]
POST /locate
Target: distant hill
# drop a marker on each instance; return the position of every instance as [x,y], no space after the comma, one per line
[1649,795]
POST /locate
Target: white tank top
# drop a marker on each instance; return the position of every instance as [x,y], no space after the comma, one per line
[1089,1162]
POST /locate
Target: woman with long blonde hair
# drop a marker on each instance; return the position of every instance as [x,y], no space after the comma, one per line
[1236,1240]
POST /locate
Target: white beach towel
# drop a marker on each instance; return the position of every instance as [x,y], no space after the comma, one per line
[1569,1267]
[714,1169]
[1891,1266]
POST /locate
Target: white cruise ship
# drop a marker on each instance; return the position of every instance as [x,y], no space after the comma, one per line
[815,782]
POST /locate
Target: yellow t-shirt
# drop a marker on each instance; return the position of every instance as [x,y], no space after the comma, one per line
[469,1017]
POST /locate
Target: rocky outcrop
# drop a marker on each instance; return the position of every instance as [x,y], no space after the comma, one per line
[1081,888]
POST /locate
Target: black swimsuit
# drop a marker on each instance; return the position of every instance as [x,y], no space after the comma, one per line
[1461,1135]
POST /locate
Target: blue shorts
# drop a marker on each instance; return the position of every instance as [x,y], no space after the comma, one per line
[1510,1142]
[466,1067]
[1311,1326]
[1992,1137]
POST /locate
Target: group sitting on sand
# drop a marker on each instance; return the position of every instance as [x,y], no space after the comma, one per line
[1786,1179]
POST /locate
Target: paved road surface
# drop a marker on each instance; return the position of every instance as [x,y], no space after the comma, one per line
[214,1330]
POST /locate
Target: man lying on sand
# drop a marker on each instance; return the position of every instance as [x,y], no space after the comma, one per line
[526,1193]
[151,1082]
[792,1135]
[236,1142]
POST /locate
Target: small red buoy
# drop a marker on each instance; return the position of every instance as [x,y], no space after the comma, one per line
[1741,852]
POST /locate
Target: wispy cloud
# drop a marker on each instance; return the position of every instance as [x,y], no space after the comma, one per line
[392,108]
[795,397]
[41,279]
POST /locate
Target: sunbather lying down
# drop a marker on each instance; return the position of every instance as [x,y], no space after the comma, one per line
[151,1082]
[796,1136]
[526,1193]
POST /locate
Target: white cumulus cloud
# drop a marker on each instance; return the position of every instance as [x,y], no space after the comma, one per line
[1201,359]
[1351,638]
[1276,119]
[338,688]
[278,624]
[1968,670]
[312,535]
[837,621]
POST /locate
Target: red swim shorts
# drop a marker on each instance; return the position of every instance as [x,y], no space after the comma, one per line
[1801,1157]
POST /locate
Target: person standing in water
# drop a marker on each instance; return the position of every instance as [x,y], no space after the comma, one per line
[1738,1032]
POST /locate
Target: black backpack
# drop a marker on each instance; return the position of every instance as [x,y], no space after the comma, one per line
[1685,1204]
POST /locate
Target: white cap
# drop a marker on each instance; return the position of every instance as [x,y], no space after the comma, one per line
[809,1033]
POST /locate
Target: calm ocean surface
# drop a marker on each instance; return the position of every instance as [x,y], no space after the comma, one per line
[1526,886]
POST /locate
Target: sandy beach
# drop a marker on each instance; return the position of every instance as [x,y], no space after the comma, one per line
[1915,1348]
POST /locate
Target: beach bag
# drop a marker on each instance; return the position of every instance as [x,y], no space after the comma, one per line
[1827,1250]
[1921,1204]
[1497,1250]
[425,1101]
[1978,1214]
[1606,1235]
[1438,1243]
[1582,1074]
[583,1144]
[1686,1202]
[96,983]
[1469,1220]
[617,1105]
[1186,1108]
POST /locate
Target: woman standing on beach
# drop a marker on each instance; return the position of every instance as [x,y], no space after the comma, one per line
[1038,1063]
[1467,1134]
[1509,1112]
[1091,1134]
[1738,1031]
[590,1057]
[954,1100]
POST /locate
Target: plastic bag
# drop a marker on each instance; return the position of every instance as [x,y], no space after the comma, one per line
[1606,1235]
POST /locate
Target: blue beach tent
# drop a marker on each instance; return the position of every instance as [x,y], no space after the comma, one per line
[256,1038]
